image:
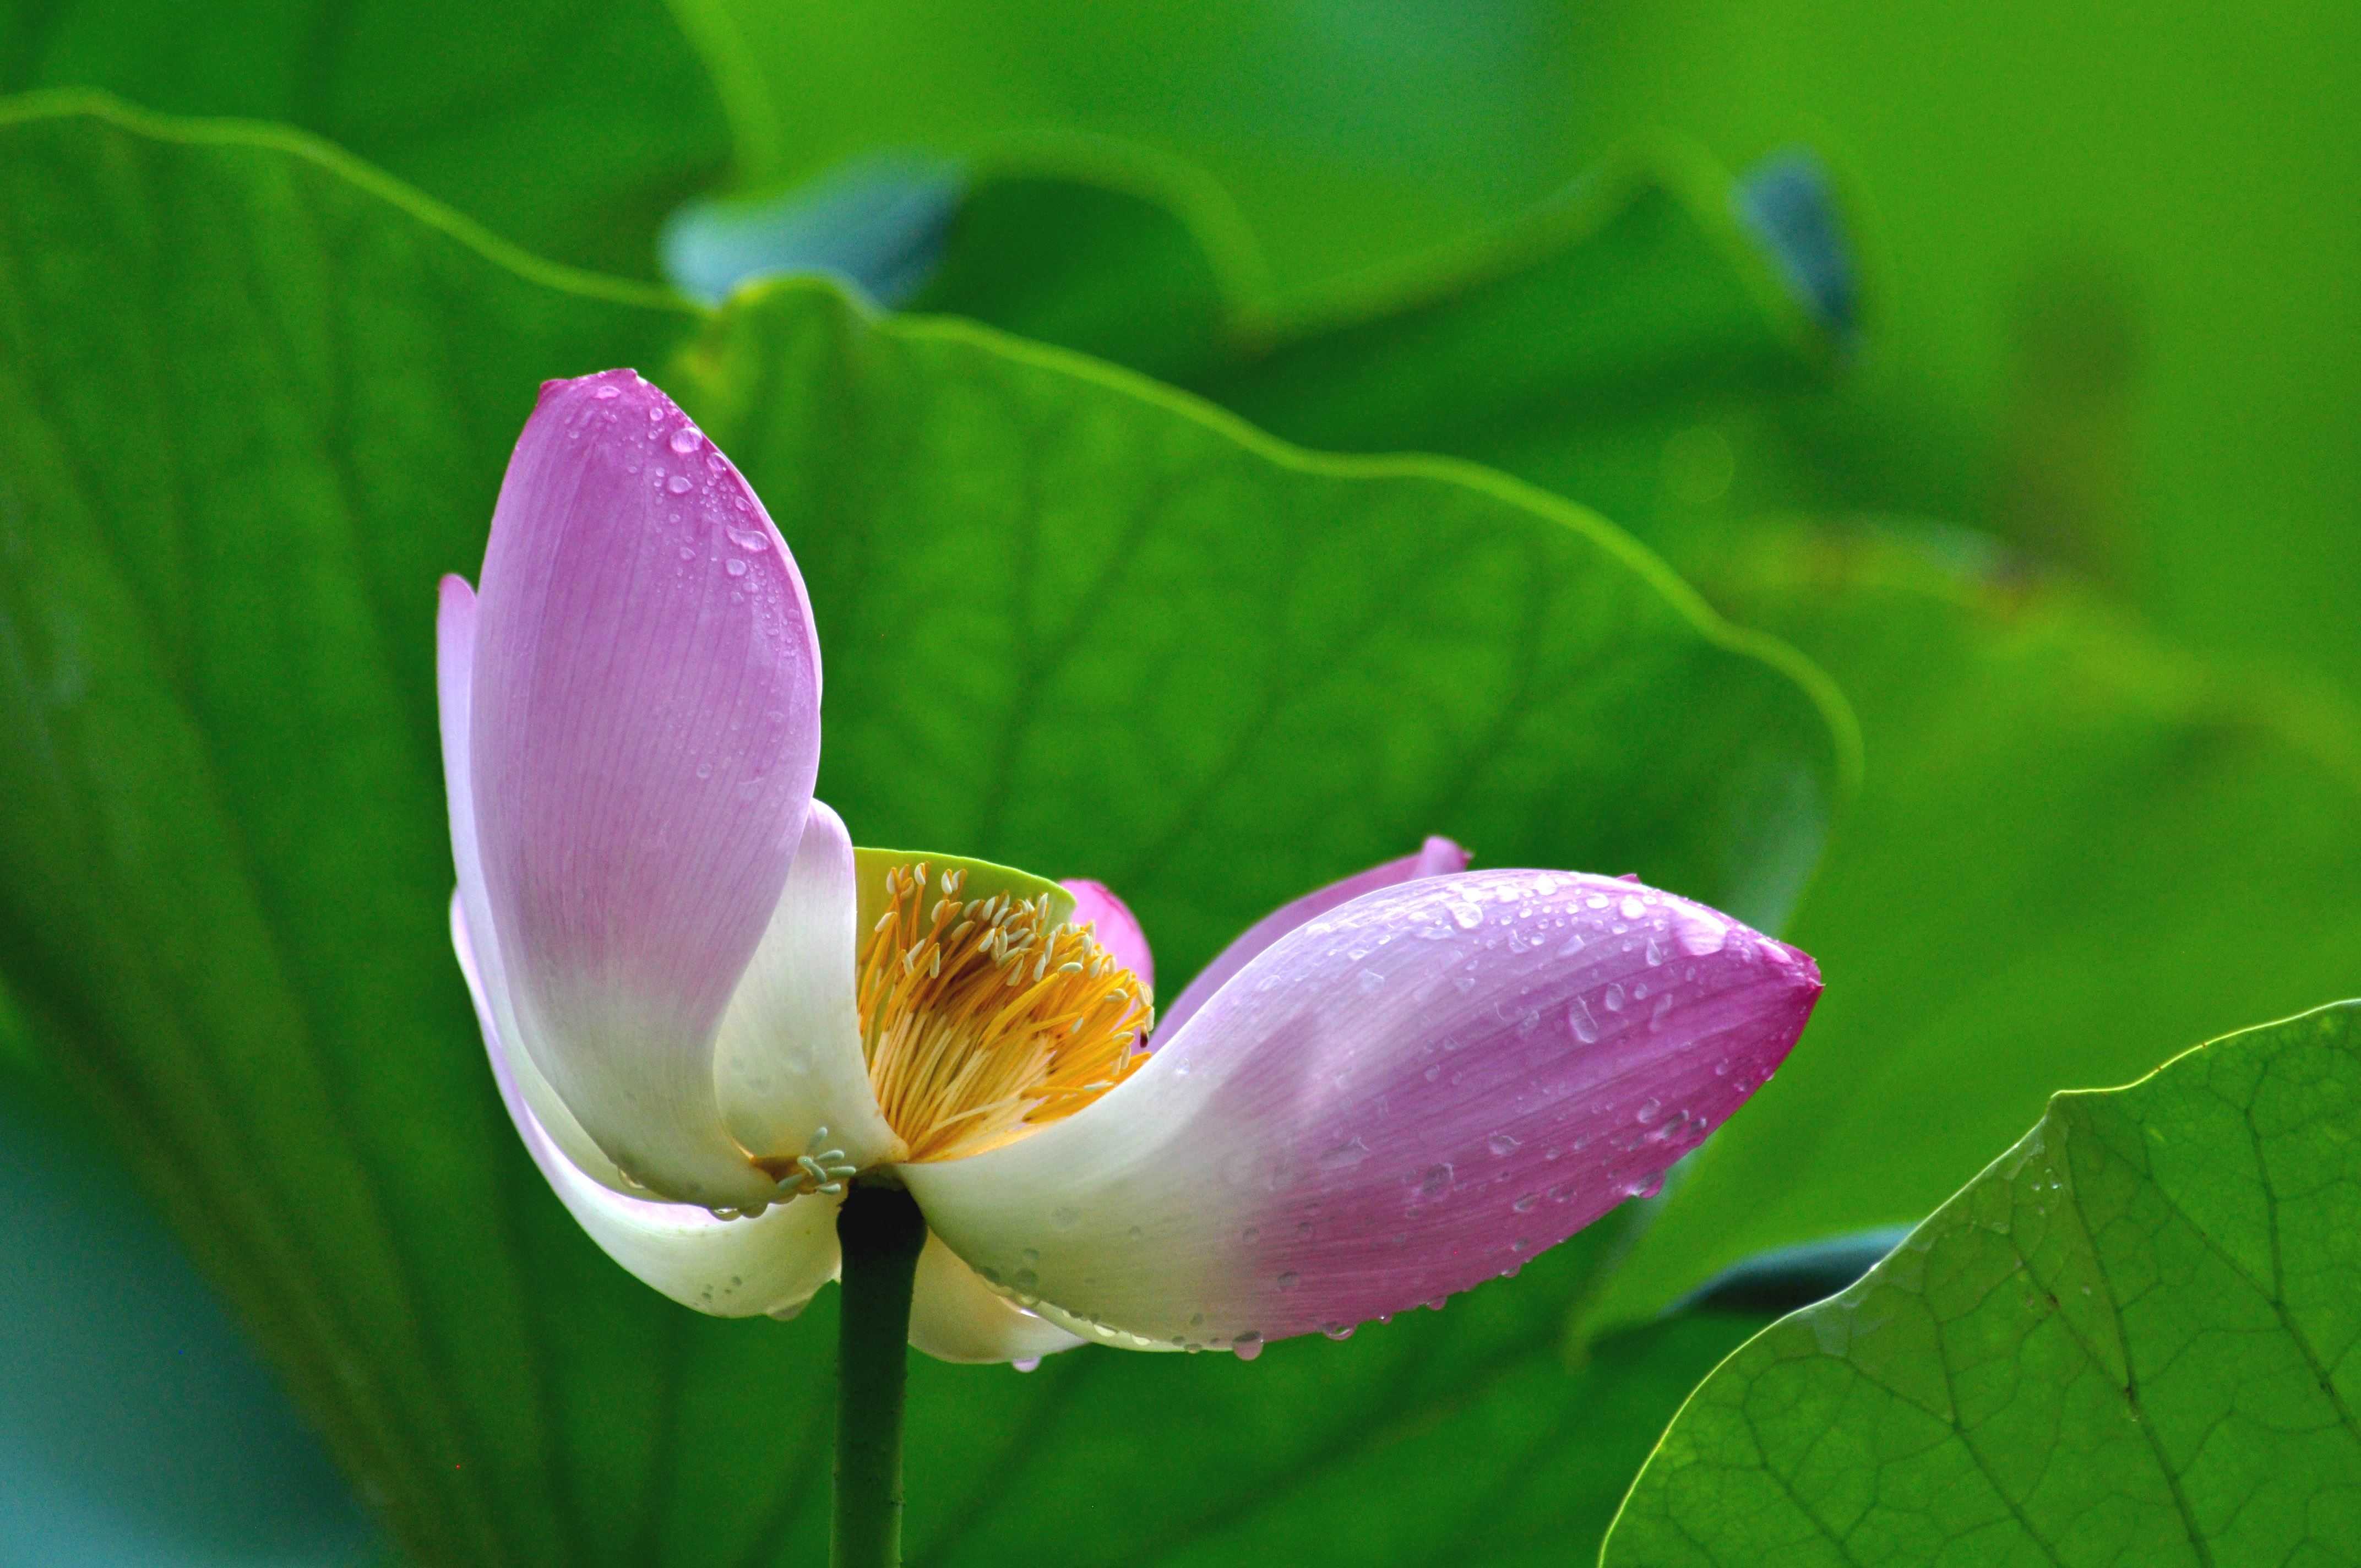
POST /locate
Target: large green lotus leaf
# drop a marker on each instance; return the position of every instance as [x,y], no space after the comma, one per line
[1641,285]
[2135,1338]
[261,397]
[2072,842]
[570,127]
[1175,655]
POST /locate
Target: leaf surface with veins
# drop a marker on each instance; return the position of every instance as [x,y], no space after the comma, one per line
[2135,1338]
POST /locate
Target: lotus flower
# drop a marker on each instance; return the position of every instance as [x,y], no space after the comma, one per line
[708,1012]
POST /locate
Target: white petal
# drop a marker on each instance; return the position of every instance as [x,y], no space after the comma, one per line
[788,1059]
[955,1316]
[732,1268]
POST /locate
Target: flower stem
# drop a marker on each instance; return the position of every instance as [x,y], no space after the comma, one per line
[880,1231]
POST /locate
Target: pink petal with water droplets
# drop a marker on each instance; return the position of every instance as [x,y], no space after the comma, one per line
[1112,922]
[454,636]
[1398,1100]
[1437,857]
[644,733]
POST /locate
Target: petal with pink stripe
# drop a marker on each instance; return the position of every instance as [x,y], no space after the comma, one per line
[1115,927]
[1437,857]
[643,736]
[1397,1099]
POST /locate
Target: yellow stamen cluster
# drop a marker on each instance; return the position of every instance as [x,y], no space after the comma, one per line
[982,1021]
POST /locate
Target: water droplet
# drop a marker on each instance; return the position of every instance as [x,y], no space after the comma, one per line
[1596,901]
[1435,1182]
[606,391]
[1344,1156]
[1524,1205]
[704,769]
[1065,1218]
[684,440]
[1645,1187]
[1290,1280]
[1632,907]
[1026,1363]
[1613,999]
[1025,1279]
[688,552]
[1647,1111]
[734,567]
[1655,953]
[679,484]
[1249,1345]
[1435,1303]
[1573,945]
[1501,1143]
[1338,1331]
[1586,1027]
[1370,980]
[1465,915]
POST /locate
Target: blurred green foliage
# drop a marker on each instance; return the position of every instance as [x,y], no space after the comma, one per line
[2031,425]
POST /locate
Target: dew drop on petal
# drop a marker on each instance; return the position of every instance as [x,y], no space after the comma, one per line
[1613,999]
[1026,1364]
[1502,1143]
[684,440]
[1467,915]
[608,391]
[1247,1345]
[734,567]
[1288,1281]
[1344,1156]
[1647,1111]
[1586,1027]
[679,484]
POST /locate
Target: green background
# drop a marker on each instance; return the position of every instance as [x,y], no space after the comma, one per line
[2054,766]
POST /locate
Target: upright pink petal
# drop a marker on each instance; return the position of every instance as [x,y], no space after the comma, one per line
[1116,927]
[1437,857]
[1398,1100]
[644,736]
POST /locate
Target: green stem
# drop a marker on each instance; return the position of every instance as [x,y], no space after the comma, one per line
[880,1231]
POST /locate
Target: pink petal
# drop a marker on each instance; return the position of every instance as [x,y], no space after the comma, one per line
[1112,924]
[1437,857]
[1401,1099]
[644,736]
